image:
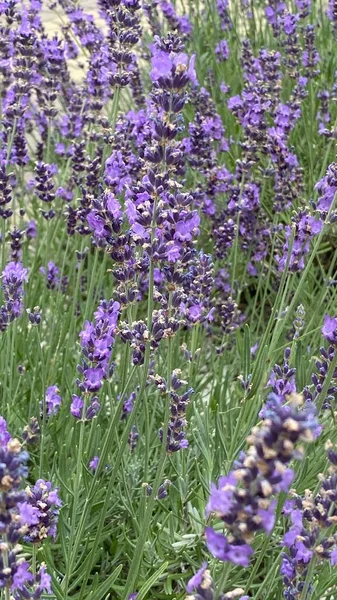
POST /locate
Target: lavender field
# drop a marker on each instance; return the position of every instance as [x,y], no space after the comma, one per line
[168,320]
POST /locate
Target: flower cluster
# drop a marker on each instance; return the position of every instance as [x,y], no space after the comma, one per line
[40,511]
[176,437]
[97,339]
[13,277]
[310,533]
[245,500]
[323,367]
[29,515]
[34,586]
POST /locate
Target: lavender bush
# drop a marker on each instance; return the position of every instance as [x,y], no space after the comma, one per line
[168,309]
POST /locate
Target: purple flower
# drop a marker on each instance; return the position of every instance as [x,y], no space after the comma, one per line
[216,543]
[176,437]
[29,515]
[22,576]
[197,579]
[303,553]
[93,464]
[93,409]
[221,497]
[161,65]
[76,406]
[53,400]
[52,275]
[179,23]
[97,339]
[329,329]
[287,567]
[172,66]
[13,277]
[97,225]
[239,554]
[93,379]
[44,503]
[220,547]
[31,229]
[246,499]
[44,579]
[267,517]
[4,435]
[224,87]
[128,404]
[222,51]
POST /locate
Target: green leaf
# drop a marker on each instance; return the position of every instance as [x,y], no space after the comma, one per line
[151,581]
[246,352]
[106,585]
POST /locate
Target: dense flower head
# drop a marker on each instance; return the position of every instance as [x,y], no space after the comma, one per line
[97,339]
[223,11]
[298,238]
[319,377]
[176,437]
[39,514]
[282,380]
[309,534]
[172,69]
[245,500]
[22,511]
[52,274]
[32,586]
[14,276]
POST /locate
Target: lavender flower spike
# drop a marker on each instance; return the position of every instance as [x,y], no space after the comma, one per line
[13,277]
[245,500]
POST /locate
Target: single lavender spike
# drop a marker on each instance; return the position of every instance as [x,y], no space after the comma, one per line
[246,499]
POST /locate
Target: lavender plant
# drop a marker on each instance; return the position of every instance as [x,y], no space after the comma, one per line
[168,299]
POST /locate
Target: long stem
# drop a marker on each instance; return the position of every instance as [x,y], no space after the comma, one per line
[138,553]
[76,491]
[71,559]
[44,407]
[150,305]
[223,579]
[308,579]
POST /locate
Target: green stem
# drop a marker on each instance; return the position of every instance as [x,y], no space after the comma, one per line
[6,565]
[34,560]
[95,483]
[257,564]
[223,579]
[76,494]
[44,412]
[139,549]
[308,580]
[150,305]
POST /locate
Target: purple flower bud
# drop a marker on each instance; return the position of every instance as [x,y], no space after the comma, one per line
[93,464]
[76,406]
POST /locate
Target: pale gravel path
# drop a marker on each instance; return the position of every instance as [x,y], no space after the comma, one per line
[52,22]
